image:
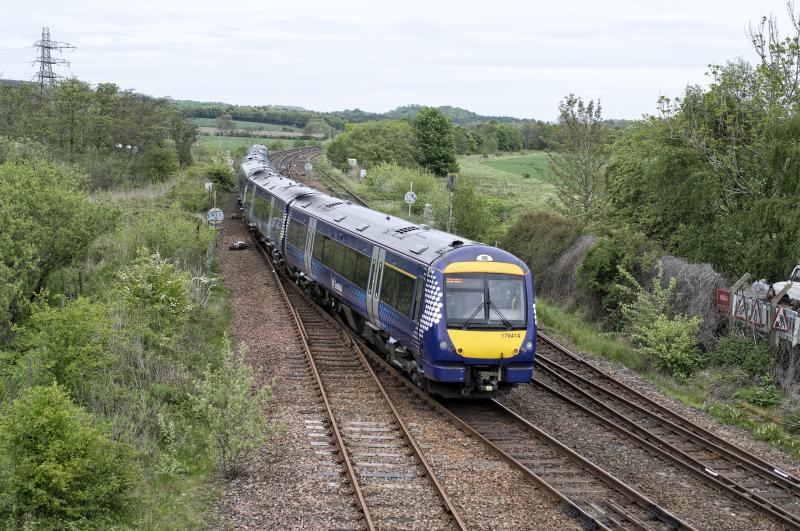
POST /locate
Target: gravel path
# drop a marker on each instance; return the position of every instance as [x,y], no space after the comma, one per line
[285,485]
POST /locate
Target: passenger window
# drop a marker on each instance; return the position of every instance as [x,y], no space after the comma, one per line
[397,290]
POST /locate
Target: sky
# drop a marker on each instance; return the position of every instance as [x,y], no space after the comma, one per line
[496,57]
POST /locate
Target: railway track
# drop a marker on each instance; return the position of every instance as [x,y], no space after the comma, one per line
[339,188]
[286,161]
[732,470]
[586,492]
[362,437]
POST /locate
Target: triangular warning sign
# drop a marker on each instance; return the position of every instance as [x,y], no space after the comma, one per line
[741,312]
[780,324]
[756,317]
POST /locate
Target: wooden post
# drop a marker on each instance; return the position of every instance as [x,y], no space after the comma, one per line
[772,308]
[734,289]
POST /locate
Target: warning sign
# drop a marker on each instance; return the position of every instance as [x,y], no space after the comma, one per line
[741,311]
[781,323]
[758,316]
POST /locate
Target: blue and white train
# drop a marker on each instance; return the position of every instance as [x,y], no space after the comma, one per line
[457,316]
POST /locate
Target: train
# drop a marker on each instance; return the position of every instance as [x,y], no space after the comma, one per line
[456,316]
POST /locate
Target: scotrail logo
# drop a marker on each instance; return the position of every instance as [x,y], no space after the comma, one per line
[336,286]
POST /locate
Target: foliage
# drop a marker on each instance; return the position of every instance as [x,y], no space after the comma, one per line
[64,468]
[578,166]
[117,136]
[234,417]
[154,283]
[158,163]
[601,272]
[766,394]
[474,218]
[373,143]
[225,124]
[729,152]
[754,357]
[436,141]
[539,238]
[669,339]
[48,223]
[67,344]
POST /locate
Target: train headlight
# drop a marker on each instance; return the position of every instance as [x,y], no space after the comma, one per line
[529,345]
[443,345]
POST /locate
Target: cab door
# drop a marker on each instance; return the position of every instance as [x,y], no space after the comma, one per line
[374,284]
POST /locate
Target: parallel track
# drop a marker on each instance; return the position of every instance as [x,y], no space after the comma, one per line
[734,471]
[586,492]
[391,479]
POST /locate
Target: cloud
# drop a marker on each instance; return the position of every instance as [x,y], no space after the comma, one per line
[499,58]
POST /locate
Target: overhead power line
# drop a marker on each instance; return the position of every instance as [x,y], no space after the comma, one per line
[46,77]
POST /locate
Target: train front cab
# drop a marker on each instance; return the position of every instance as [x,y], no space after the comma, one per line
[479,324]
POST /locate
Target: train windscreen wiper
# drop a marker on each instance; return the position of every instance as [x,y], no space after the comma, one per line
[506,322]
[480,306]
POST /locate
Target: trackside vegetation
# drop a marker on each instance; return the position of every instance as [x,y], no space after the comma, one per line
[121,395]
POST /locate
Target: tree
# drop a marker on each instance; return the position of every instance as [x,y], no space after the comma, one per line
[48,223]
[372,143]
[579,164]
[62,467]
[436,141]
[225,124]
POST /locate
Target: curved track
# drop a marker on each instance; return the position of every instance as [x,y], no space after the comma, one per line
[392,481]
[736,472]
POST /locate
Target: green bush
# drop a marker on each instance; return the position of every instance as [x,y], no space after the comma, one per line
[602,271]
[539,238]
[670,340]
[188,193]
[67,344]
[234,416]
[154,283]
[158,163]
[755,358]
[63,467]
[764,395]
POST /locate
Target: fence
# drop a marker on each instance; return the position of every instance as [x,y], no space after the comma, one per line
[760,313]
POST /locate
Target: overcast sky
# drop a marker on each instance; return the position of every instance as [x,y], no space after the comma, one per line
[494,57]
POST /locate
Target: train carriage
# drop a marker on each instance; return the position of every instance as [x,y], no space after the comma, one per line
[456,315]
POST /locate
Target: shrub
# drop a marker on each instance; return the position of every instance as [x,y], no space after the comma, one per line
[752,357]
[670,340]
[539,238]
[157,163]
[68,345]
[234,416]
[764,395]
[157,285]
[603,271]
[63,467]
[189,194]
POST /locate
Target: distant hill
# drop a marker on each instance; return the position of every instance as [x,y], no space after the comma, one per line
[457,114]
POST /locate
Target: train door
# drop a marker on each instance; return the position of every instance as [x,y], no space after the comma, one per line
[374,284]
[312,229]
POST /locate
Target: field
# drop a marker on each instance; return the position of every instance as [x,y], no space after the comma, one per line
[256,126]
[505,178]
[533,164]
[232,143]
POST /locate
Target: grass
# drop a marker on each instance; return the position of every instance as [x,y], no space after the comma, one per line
[241,124]
[532,165]
[504,178]
[588,338]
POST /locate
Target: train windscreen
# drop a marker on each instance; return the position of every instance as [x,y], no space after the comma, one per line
[486,301]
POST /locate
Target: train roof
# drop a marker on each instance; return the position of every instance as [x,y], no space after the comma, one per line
[418,242]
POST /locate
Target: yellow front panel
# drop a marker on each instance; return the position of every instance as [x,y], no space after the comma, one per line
[484,267]
[487,344]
